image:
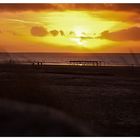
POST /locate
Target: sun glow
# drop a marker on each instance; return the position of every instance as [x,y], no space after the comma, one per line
[85,28]
[78,33]
[78,41]
[79,30]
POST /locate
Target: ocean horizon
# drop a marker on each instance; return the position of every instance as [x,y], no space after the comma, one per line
[110,59]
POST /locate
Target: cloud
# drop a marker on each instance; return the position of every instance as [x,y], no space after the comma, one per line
[114,7]
[72,33]
[62,33]
[26,7]
[39,31]
[54,32]
[60,7]
[130,34]
[21,21]
[85,38]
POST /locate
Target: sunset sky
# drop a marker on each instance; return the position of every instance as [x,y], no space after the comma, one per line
[86,28]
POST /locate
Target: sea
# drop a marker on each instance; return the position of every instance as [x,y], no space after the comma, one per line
[110,59]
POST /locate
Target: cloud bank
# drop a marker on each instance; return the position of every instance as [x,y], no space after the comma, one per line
[60,7]
[130,34]
[41,31]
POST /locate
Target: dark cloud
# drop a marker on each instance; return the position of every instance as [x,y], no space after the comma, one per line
[26,7]
[54,32]
[39,31]
[132,34]
[62,33]
[94,6]
[39,7]
[72,33]
[85,38]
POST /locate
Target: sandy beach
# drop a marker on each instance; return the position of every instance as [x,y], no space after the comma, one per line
[105,99]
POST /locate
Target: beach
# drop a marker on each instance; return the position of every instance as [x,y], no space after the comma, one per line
[69,69]
[105,99]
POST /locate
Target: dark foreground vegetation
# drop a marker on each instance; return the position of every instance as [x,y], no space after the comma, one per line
[69,101]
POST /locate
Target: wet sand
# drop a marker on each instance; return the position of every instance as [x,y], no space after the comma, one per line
[105,99]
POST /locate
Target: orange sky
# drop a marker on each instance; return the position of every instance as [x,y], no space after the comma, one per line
[97,28]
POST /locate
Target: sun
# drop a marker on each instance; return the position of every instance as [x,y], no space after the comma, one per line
[80,31]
